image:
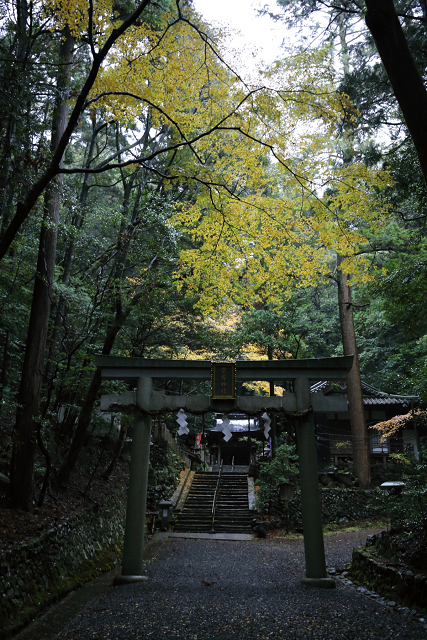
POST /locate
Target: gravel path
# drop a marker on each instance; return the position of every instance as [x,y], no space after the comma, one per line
[209,590]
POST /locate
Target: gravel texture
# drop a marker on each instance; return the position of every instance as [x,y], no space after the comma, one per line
[210,589]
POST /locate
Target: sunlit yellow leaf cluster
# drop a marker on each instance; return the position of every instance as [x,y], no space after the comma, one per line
[75,15]
[272,204]
[259,247]
[262,388]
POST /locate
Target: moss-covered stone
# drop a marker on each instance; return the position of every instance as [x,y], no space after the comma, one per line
[36,573]
[377,566]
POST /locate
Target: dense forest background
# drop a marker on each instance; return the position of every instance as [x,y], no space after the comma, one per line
[156,203]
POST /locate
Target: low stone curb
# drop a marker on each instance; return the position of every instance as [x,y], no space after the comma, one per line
[393,582]
[342,577]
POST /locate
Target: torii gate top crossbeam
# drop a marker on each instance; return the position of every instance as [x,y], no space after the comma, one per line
[122,368]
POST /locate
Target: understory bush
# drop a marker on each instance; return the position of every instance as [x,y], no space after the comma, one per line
[165,466]
[282,468]
[410,505]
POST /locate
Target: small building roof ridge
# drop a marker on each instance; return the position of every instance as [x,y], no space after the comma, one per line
[377,394]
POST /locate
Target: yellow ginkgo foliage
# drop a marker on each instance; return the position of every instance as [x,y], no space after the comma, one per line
[271,205]
[259,247]
[82,17]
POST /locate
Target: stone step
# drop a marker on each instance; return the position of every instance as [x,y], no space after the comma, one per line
[191,518]
[233,516]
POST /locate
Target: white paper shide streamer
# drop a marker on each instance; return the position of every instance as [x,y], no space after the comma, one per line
[181,420]
[267,423]
[226,428]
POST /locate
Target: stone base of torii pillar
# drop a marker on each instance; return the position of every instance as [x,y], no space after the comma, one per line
[147,402]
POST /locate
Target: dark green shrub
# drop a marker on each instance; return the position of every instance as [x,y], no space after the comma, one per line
[282,468]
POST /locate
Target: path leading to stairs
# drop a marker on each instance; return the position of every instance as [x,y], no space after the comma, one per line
[209,589]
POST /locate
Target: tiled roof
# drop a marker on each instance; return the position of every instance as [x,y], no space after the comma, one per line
[371,396]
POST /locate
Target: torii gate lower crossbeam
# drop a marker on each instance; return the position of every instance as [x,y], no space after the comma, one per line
[146,403]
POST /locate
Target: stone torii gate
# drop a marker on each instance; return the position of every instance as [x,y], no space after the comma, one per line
[301,403]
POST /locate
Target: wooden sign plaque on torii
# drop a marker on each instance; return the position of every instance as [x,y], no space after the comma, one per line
[146,402]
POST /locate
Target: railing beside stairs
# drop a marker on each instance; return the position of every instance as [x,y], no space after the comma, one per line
[218,482]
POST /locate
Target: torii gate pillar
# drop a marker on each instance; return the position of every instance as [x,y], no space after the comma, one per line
[133,564]
[310,496]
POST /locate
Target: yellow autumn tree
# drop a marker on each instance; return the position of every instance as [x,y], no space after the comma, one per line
[261,152]
[260,244]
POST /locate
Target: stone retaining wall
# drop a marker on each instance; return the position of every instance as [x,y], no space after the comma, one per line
[35,573]
[338,505]
[392,581]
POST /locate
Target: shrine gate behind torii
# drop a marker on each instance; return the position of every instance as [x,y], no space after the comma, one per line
[146,403]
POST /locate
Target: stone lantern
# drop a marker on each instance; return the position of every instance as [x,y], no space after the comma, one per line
[165,507]
[286,490]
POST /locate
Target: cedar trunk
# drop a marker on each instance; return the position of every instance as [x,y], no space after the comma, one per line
[359,432]
[24,440]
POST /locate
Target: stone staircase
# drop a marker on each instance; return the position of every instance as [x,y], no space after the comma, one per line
[232,514]
[232,509]
[196,515]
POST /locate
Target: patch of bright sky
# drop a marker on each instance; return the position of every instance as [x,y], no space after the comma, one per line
[258,38]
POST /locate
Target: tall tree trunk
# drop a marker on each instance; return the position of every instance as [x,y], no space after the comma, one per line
[16,80]
[87,408]
[66,274]
[3,381]
[359,432]
[121,311]
[118,448]
[22,472]
[405,79]
[273,434]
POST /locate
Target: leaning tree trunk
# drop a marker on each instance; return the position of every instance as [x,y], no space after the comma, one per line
[405,79]
[85,415]
[122,312]
[359,432]
[22,471]
[117,449]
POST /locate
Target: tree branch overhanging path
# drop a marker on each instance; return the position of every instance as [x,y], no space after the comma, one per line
[84,102]
[406,81]
[24,208]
